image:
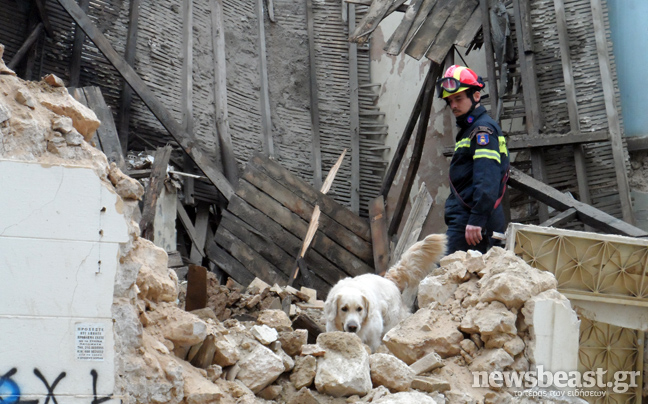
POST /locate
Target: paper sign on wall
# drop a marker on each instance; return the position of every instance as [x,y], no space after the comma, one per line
[90,341]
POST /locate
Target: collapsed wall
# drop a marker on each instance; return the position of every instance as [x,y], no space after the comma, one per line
[478,313]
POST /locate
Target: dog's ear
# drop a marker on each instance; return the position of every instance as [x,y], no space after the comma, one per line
[367,307]
[331,309]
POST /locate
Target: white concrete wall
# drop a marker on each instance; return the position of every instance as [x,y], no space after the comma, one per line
[60,230]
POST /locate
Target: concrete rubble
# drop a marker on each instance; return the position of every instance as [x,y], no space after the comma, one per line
[242,348]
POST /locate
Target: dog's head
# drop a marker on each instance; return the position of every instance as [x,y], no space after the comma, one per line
[347,310]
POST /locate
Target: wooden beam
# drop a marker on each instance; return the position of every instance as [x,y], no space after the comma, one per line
[127,91]
[77,49]
[446,37]
[186,95]
[153,191]
[106,132]
[266,115]
[572,105]
[370,21]
[561,218]
[417,151]
[229,264]
[147,96]
[220,93]
[636,143]
[586,213]
[24,48]
[201,227]
[42,12]
[314,96]
[426,35]
[490,59]
[189,227]
[612,114]
[395,43]
[379,236]
[196,288]
[540,174]
[354,113]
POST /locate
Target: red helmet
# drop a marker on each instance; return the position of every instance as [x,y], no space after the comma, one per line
[457,79]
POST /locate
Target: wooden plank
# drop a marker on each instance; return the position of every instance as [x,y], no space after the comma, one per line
[395,43]
[153,191]
[147,96]
[539,173]
[369,22]
[561,218]
[201,226]
[419,20]
[252,260]
[77,49]
[196,288]
[189,227]
[106,132]
[470,30]
[557,200]
[448,34]
[354,117]
[517,142]
[534,119]
[297,226]
[334,230]
[490,60]
[414,224]
[24,48]
[229,264]
[314,96]
[266,118]
[186,94]
[270,230]
[611,111]
[328,205]
[417,150]
[220,93]
[431,27]
[379,236]
[129,57]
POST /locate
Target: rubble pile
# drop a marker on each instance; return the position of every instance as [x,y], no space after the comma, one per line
[243,347]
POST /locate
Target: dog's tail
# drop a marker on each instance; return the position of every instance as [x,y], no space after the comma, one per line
[417,261]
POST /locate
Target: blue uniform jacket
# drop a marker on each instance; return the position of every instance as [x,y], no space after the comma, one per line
[479,164]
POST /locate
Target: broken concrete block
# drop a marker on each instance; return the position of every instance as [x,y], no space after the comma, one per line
[429,362]
[344,369]
[423,332]
[490,319]
[125,186]
[83,118]
[227,354]
[276,319]
[313,349]
[292,341]
[409,397]
[259,368]
[490,360]
[304,396]
[23,97]
[304,372]
[430,384]
[435,289]
[258,286]
[391,372]
[264,334]
[53,81]
[311,293]
[74,138]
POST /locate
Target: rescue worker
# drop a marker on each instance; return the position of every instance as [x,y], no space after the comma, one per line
[479,166]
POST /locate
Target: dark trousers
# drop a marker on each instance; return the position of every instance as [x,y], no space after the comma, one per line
[456,217]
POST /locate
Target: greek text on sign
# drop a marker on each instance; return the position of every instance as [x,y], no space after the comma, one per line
[90,341]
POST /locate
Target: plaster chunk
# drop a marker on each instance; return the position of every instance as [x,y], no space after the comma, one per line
[155,280]
[304,372]
[74,138]
[513,282]
[430,384]
[259,368]
[292,341]
[406,398]
[227,354]
[264,334]
[186,330]
[126,187]
[276,319]
[429,362]
[54,80]
[425,331]
[391,372]
[492,319]
[24,98]
[490,360]
[83,118]
[344,368]
[62,124]
[435,289]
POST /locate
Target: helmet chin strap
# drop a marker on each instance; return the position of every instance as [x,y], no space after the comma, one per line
[462,120]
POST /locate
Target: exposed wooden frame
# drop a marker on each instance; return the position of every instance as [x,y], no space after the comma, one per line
[24,48]
[186,94]
[557,200]
[354,115]
[42,12]
[147,96]
[153,191]
[561,218]
[220,93]
[77,49]
[314,95]
[414,224]
[106,132]
[201,227]
[490,59]
[129,56]
[266,115]
[611,111]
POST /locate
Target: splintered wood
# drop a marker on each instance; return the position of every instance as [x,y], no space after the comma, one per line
[263,227]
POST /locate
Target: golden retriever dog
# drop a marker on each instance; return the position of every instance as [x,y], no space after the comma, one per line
[370,305]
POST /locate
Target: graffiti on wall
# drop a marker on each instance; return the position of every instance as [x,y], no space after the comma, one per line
[10,390]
